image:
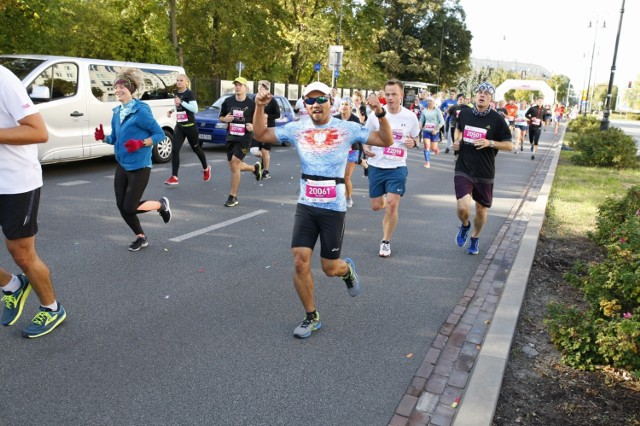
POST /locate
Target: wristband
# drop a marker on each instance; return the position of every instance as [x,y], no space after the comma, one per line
[382,114]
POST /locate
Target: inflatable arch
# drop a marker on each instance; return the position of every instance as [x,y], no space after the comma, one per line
[539,85]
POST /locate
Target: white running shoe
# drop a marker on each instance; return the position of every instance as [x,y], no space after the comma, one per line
[385,249]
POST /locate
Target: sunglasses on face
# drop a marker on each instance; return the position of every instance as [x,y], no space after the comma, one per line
[320,100]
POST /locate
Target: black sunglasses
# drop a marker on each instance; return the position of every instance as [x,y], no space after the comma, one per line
[319,100]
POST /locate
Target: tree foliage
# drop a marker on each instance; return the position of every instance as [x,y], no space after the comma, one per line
[279,40]
[632,95]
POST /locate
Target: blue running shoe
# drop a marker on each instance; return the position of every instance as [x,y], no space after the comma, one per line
[463,234]
[44,322]
[352,280]
[473,246]
[14,302]
[307,326]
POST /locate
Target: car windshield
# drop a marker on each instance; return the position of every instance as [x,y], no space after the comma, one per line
[21,67]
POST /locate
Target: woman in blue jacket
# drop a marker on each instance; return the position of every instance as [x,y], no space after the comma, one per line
[134,131]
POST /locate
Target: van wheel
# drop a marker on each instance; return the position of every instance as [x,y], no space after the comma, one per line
[162,152]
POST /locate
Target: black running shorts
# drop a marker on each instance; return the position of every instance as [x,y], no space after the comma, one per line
[19,214]
[311,222]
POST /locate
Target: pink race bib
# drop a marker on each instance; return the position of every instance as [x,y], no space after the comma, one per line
[535,121]
[181,117]
[472,134]
[398,136]
[429,126]
[393,152]
[236,129]
[321,191]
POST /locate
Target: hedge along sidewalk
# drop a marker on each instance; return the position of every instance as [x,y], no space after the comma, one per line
[483,390]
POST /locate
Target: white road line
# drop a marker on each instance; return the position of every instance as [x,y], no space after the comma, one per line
[217,226]
[74,183]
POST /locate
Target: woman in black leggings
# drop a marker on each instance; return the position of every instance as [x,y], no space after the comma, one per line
[134,131]
[186,107]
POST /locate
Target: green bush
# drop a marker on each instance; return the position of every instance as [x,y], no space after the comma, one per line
[609,148]
[608,331]
[583,123]
[613,213]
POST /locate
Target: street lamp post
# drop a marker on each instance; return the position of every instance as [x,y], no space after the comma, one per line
[604,124]
[593,51]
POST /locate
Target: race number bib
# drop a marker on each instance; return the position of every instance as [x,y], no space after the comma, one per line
[393,153]
[535,121]
[321,191]
[398,136]
[521,120]
[472,134]
[181,117]
[430,127]
[237,129]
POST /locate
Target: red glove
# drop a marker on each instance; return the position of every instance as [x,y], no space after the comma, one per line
[99,134]
[133,145]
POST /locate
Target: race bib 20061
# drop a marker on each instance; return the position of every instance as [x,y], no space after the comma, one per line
[321,191]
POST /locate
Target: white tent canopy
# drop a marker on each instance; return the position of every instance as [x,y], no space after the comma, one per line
[547,92]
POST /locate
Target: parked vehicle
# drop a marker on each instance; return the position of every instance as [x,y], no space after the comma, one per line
[213,131]
[75,95]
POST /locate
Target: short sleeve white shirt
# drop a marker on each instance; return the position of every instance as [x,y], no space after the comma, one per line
[20,169]
[403,124]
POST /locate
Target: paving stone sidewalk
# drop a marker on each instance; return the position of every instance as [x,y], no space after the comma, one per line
[438,385]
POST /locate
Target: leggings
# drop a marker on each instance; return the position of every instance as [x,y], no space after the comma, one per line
[534,134]
[191,133]
[129,187]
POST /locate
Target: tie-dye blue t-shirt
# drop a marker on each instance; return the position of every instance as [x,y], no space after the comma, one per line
[323,151]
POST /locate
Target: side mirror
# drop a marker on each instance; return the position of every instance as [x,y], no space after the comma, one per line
[40,92]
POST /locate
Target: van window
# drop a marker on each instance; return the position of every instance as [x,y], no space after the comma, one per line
[157,83]
[21,67]
[61,80]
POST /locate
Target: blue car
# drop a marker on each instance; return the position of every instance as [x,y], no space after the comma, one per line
[211,130]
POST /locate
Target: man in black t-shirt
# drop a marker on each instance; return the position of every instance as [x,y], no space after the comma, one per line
[237,111]
[480,134]
[272,112]
[454,112]
[535,114]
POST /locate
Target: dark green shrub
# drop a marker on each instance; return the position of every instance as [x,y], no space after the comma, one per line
[608,331]
[615,212]
[609,148]
[583,123]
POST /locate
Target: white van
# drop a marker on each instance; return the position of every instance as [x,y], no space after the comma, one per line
[75,95]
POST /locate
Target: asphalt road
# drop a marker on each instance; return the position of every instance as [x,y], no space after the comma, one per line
[197,328]
[631,128]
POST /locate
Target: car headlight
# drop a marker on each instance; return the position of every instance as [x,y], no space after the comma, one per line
[221,125]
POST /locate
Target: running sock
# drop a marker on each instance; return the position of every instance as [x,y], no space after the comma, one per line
[12,286]
[52,307]
[312,315]
[427,155]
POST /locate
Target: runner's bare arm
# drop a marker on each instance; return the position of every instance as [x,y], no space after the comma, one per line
[382,137]
[31,130]
[261,132]
[457,137]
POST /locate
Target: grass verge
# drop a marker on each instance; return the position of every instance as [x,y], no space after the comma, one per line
[577,192]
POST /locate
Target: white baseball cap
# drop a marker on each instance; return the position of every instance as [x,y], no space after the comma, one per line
[317,86]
